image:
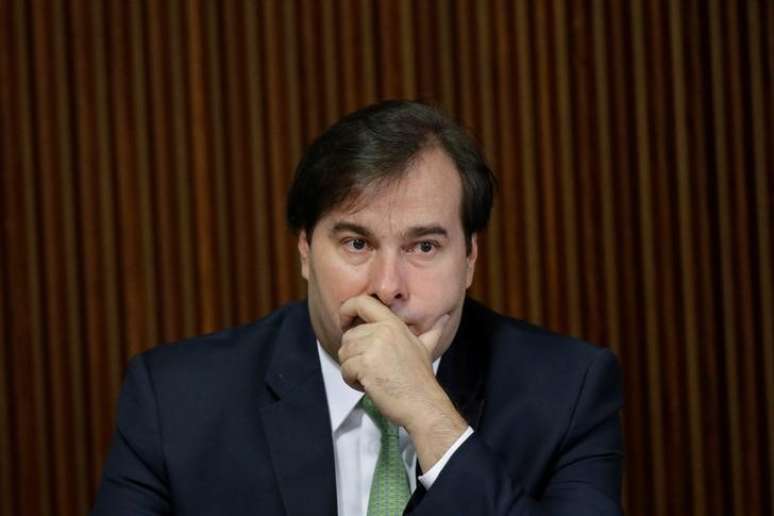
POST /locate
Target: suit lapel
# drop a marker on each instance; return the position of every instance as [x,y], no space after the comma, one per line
[297,425]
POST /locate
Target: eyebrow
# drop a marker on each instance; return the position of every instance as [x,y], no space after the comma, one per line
[412,233]
[343,227]
[421,231]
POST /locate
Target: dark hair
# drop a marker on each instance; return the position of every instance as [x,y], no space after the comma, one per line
[376,144]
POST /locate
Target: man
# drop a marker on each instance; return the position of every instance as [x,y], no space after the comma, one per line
[334,405]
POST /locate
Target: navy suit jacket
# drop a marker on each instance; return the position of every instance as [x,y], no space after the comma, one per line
[237,423]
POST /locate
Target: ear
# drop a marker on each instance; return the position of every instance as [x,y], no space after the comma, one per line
[470,265]
[303,252]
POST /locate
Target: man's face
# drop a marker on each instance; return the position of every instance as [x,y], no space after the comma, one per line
[402,243]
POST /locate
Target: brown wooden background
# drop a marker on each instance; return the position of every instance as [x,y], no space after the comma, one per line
[146,148]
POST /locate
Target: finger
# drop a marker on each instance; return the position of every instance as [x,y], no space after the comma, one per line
[360,331]
[351,369]
[358,340]
[354,341]
[349,349]
[366,308]
[430,338]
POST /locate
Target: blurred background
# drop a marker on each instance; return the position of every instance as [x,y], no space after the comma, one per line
[146,148]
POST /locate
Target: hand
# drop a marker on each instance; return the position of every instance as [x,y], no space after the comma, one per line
[394,367]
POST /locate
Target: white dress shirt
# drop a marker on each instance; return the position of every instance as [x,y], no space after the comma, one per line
[357,439]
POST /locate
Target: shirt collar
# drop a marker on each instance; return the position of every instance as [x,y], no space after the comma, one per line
[342,399]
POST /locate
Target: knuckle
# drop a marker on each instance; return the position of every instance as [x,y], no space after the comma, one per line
[348,371]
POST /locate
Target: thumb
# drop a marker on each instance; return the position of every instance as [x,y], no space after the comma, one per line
[430,338]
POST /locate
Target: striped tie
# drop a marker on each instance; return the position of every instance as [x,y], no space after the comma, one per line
[389,487]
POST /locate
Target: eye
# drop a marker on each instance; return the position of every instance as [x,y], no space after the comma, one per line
[355,244]
[424,248]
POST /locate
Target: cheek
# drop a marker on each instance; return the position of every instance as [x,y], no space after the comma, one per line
[339,282]
[437,292]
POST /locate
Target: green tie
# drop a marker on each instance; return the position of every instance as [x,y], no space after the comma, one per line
[389,487]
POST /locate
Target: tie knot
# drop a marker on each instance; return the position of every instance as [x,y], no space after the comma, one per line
[382,422]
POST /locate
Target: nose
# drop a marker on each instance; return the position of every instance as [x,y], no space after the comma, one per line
[386,279]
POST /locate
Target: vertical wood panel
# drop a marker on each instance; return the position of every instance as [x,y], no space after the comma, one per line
[507,159]
[9,477]
[31,402]
[147,147]
[762,137]
[492,253]
[741,200]
[446,92]
[257,136]
[728,287]
[571,279]
[237,217]
[648,245]
[6,473]
[528,199]
[277,122]
[295,135]
[351,47]
[216,132]
[407,50]
[716,475]
[610,266]
[687,263]
[88,307]
[661,181]
[145,207]
[186,288]
[636,487]
[368,78]
[584,218]
[546,144]
[202,192]
[169,309]
[6,440]
[44,192]
[329,62]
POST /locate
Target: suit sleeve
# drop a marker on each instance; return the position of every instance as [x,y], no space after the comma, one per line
[584,479]
[134,480]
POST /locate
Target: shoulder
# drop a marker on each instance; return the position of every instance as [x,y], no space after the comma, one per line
[526,357]
[215,357]
[510,335]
